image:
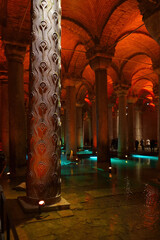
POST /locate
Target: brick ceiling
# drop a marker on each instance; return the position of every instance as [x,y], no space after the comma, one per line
[115,25]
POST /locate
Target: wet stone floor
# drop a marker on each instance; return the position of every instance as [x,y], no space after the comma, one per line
[122,205]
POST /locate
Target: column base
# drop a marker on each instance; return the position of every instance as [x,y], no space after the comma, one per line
[122,155]
[29,206]
[73,158]
[104,165]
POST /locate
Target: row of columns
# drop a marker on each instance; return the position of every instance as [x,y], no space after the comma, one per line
[127,122]
[13,122]
[74,133]
[43,175]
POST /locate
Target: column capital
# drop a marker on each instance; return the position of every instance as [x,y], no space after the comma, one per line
[156,89]
[79,105]
[70,81]
[148,7]
[15,52]
[121,89]
[156,94]
[150,10]
[99,57]
[93,99]
[4,75]
[132,99]
[112,99]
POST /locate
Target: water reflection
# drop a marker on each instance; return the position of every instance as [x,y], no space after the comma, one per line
[128,187]
[151,212]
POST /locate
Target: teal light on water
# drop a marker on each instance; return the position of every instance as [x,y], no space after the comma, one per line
[93,158]
[113,160]
[85,152]
[145,157]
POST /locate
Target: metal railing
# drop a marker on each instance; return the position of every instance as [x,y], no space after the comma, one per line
[6,223]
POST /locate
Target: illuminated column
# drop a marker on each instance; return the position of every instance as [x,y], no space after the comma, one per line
[102,115]
[43,173]
[99,63]
[138,123]
[131,133]
[122,135]
[5,117]
[0,110]
[156,90]
[79,126]
[114,116]
[71,137]
[151,17]
[17,126]
[87,130]
[62,126]
[110,123]
[94,127]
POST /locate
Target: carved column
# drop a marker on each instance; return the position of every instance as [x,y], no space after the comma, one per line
[71,139]
[122,135]
[94,127]
[99,63]
[5,117]
[43,174]
[17,127]
[79,126]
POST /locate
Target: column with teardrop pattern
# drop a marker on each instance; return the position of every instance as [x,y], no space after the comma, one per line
[43,173]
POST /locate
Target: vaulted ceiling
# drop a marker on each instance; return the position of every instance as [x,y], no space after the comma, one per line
[114,25]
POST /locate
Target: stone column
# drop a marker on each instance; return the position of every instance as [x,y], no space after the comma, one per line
[99,63]
[114,116]
[110,123]
[71,139]
[79,126]
[131,134]
[157,96]
[5,117]
[138,123]
[43,173]
[150,11]
[62,126]
[17,126]
[94,127]
[122,135]
[0,111]
[158,122]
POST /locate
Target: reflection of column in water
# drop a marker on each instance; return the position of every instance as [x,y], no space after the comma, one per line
[151,214]
[148,161]
[128,187]
[138,169]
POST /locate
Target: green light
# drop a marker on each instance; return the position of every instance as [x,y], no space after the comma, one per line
[145,157]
